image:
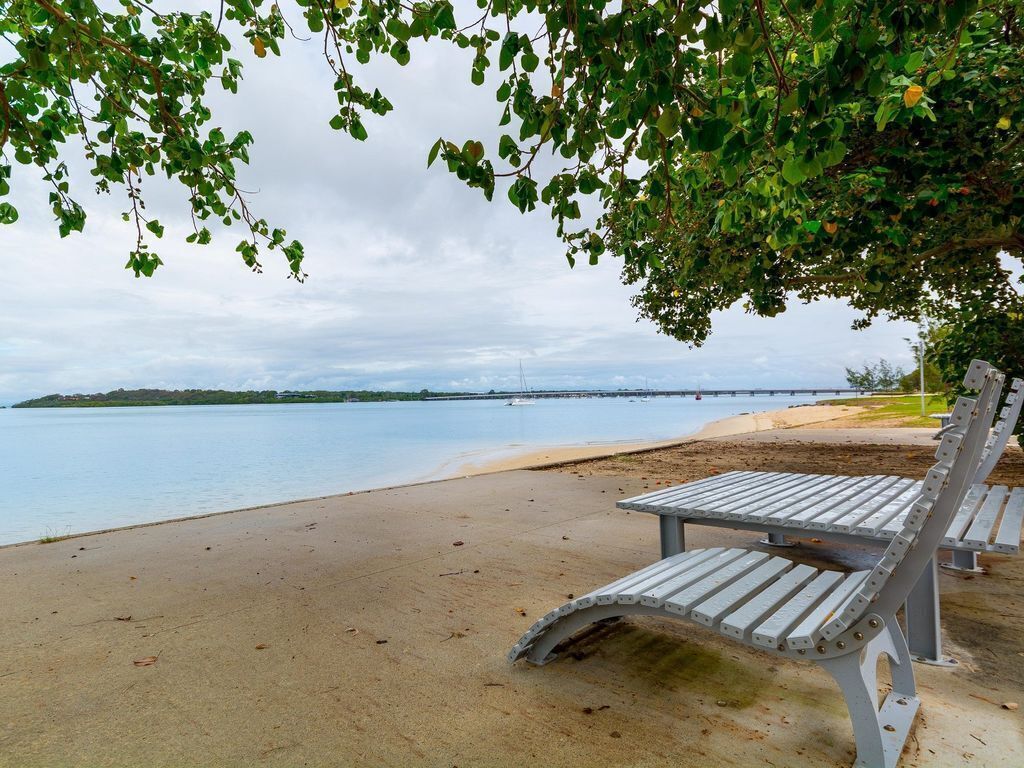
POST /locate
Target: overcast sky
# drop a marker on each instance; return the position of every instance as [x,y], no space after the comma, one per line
[414,280]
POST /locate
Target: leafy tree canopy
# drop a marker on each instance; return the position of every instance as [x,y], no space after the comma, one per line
[737,151]
[881,376]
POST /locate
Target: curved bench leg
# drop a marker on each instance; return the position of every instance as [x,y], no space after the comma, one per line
[567,626]
[901,662]
[880,733]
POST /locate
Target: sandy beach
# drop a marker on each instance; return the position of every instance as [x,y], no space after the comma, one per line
[797,416]
[370,629]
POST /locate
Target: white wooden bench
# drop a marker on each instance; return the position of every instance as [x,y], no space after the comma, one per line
[844,622]
[853,509]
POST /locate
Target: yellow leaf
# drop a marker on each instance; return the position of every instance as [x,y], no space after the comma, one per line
[696,112]
[556,91]
[913,95]
[1003,123]
[258,47]
[341,5]
[831,227]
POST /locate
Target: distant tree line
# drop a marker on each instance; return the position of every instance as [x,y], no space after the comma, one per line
[137,397]
[881,376]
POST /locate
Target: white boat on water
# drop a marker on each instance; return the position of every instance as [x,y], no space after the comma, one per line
[522,398]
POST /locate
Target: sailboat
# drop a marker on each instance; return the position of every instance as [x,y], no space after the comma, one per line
[647,392]
[698,396]
[521,399]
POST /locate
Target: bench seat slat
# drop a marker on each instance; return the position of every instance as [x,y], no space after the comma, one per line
[715,607]
[661,565]
[754,489]
[870,526]
[962,519]
[808,632]
[781,511]
[863,485]
[708,559]
[977,535]
[862,504]
[686,498]
[653,496]
[607,594]
[656,592]
[740,622]
[806,496]
[853,517]
[771,632]
[1008,538]
[783,488]
[656,496]
[682,602]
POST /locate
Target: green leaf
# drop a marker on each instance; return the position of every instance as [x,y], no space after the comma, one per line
[711,134]
[398,28]
[509,49]
[914,62]
[668,121]
[791,171]
[444,15]
[867,37]
[433,152]
[821,24]
[8,213]
[400,53]
[884,113]
[530,61]
[713,36]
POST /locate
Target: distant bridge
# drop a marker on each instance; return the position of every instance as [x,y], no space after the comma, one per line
[814,392]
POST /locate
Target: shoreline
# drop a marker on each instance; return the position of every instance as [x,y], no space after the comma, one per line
[532,458]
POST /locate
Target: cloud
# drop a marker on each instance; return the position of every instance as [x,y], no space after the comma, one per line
[415,280]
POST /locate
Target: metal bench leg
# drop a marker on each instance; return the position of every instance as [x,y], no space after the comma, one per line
[964,560]
[776,540]
[542,651]
[673,539]
[880,732]
[924,633]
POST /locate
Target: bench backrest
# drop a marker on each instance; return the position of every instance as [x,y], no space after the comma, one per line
[1001,432]
[943,490]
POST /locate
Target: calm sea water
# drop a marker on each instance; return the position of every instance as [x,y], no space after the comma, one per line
[72,470]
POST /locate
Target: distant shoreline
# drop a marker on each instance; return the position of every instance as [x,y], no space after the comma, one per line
[148,398]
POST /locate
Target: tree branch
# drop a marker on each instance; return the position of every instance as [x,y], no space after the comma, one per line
[6,106]
[1009,241]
